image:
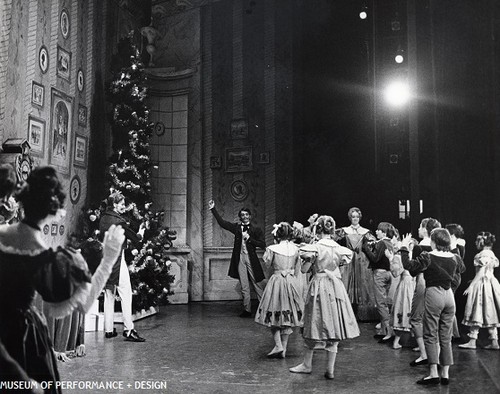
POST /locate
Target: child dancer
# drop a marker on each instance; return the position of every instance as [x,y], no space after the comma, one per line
[379,263]
[328,317]
[438,267]
[281,306]
[401,306]
[483,295]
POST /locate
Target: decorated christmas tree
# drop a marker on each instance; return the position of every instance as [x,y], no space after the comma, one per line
[130,173]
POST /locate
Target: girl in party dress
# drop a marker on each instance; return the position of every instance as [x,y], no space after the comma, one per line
[60,276]
[483,295]
[401,304]
[328,316]
[281,306]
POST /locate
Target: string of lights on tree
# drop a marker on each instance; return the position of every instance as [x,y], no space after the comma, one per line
[129,172]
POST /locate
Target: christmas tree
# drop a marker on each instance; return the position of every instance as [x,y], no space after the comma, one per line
[130,173]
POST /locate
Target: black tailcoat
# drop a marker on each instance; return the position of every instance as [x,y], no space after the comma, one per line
[256,240]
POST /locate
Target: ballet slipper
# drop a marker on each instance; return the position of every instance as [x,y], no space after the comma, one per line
[301,368]
[491,347]
[396,347]
[467,345]
[275,353]
[80,351]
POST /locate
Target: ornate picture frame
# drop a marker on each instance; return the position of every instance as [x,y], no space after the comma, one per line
[63,68]
[264,158]
[37,94]
[82,115]
[239,159]
[80,80]
[61,131]
[239,129]
[36,135]
[75,189]
[80,150]
[215,162]
[43,59]
[239,190]
[64,23]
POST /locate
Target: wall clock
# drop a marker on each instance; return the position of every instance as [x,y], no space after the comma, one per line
[43,59]
[75,189]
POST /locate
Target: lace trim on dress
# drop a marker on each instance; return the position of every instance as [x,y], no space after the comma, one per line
[22,252]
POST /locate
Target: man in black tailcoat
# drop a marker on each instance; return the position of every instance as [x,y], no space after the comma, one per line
[245,265]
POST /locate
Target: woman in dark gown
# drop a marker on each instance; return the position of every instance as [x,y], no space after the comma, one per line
[356,276]
[60,276]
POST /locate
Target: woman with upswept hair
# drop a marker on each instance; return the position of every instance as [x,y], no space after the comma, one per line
[60,276]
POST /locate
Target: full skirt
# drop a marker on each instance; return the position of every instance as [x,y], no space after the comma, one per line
[483,304]
[328,311]
[358,282]
[282,302]
[401,306]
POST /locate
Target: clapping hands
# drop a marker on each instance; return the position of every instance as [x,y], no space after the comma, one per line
[407,241]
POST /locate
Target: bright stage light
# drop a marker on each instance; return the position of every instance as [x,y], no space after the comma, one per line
[397,94]
[399,58]
[363,14]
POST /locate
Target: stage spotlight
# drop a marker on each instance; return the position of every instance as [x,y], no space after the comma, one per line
[363,14]
[399,58]
[397,93]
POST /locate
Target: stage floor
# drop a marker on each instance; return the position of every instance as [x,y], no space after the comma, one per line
[206,348]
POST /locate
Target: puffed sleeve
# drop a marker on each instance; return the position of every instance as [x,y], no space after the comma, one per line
[308,252]
[484,259]
[60,274]
[481,260]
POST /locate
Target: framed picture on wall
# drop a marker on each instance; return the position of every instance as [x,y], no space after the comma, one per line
[43,59]
[80,151]
[239,159]
[36,135]
[239,129]
[64,23]
[63,67]
[61,131]
[82,115]
[37,94]
[215,161]
[80,79]
[264,158]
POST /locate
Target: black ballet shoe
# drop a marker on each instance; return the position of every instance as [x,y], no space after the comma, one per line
[428,381]
[445,381]
[415,363]
[385,340]
[276,355]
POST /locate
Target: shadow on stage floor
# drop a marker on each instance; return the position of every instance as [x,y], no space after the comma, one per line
[206,348]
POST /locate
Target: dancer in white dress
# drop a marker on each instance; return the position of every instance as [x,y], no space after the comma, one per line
[483,295]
